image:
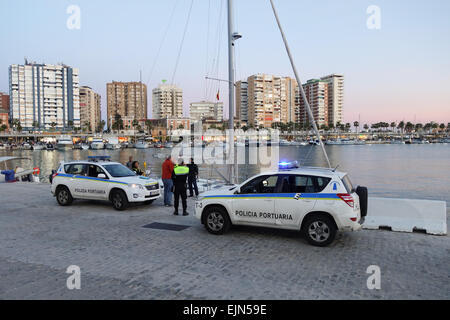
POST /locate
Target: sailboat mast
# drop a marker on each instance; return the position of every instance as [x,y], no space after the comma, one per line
[300,87]
[231,89]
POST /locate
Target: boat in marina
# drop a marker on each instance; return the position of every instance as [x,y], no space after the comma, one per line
[97,144]
[64,143]
[38,146]
[10,164]
[112,143]
[141,144]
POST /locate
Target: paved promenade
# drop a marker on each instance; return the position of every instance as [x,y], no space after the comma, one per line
[119,259]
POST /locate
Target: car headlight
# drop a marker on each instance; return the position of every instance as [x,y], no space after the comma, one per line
[136,186]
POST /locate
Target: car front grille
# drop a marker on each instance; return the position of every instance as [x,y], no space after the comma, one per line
[152,187]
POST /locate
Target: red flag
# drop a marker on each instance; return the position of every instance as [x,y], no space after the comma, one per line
[217,96]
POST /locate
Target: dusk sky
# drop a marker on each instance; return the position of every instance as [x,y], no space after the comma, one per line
[399,72]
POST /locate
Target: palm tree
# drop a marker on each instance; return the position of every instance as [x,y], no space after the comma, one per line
[356,125]
[53,125]
[393,125]
[101,126]
[366,127]
[401,126]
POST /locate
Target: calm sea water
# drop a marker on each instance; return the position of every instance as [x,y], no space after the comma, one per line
[407,171]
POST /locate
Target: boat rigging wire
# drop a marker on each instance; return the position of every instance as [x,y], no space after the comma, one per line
[162,41]
[182,41]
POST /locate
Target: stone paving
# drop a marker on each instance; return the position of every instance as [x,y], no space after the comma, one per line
[119,259]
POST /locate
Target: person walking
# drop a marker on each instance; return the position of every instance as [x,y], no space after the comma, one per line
[180,174]
[192,178]
[167,170]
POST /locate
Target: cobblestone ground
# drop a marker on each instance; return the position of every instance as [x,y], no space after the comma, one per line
[119,259]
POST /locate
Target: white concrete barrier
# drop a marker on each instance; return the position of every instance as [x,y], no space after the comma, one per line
[407,215]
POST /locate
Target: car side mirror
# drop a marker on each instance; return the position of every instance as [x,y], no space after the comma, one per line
[101,176]
[238,190]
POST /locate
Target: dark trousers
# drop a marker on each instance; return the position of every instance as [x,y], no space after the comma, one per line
[192,181]
[180,191]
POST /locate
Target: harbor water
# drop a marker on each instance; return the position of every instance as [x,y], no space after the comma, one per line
[405,171]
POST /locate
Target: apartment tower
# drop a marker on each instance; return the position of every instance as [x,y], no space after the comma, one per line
[42,95]
[127,99]
[90,109]
[167,102]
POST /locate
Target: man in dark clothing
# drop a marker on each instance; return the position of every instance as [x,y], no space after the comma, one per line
[192,178]
[179,177]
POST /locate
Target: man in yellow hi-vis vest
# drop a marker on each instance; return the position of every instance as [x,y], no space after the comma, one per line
[179,176]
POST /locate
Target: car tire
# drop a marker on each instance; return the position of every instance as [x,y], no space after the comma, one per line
[63,196]
[363,199]
[319,230]
[216,220]
[119,200]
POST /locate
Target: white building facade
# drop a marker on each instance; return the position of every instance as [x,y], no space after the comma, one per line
[167,102]
[335,98]
[44,96]
[206,110]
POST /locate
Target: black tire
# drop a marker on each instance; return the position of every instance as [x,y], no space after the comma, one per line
[63,196]
[119,200]
[319,230]
[363,199]
[216,220]
[148,202]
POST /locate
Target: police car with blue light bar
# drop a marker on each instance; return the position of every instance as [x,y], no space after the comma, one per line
[316,201]
[99,179]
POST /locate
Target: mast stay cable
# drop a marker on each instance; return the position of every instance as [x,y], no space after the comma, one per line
[182,42]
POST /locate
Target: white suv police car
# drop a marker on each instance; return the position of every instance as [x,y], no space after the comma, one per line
[100,179]
[315,201]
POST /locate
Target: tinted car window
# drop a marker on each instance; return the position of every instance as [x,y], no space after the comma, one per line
[262,184]
[303,184]
[94,171]
[347,184]
[76,169]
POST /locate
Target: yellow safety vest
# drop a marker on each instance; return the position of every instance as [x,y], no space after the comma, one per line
[181,170]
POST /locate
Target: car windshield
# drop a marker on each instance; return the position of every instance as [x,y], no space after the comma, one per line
[118,170]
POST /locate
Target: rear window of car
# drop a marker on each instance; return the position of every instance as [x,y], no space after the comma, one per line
[304,184]
[347,183]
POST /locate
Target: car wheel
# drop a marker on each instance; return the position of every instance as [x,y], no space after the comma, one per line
[63,196]
[119,200]
[216,220]
[319,230]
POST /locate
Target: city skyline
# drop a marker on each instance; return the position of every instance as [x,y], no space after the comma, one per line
[399,72]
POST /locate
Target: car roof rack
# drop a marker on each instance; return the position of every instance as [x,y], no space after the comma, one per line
[99,158]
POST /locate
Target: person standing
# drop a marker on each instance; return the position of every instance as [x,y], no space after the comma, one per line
[136,169]
[130,163]
[167,170]
[180,174]
[192,178]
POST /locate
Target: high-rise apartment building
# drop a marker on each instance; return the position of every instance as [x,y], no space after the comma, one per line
[127,99]
[270,99]
[206,110]
[241,101]
[90,109]
[4,111]
[316,92]
[167,102]
[44,96]
[335,98]
[4,101]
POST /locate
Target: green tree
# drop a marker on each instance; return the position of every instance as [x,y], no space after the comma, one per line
[401,126]
[393,125]
[356,125]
